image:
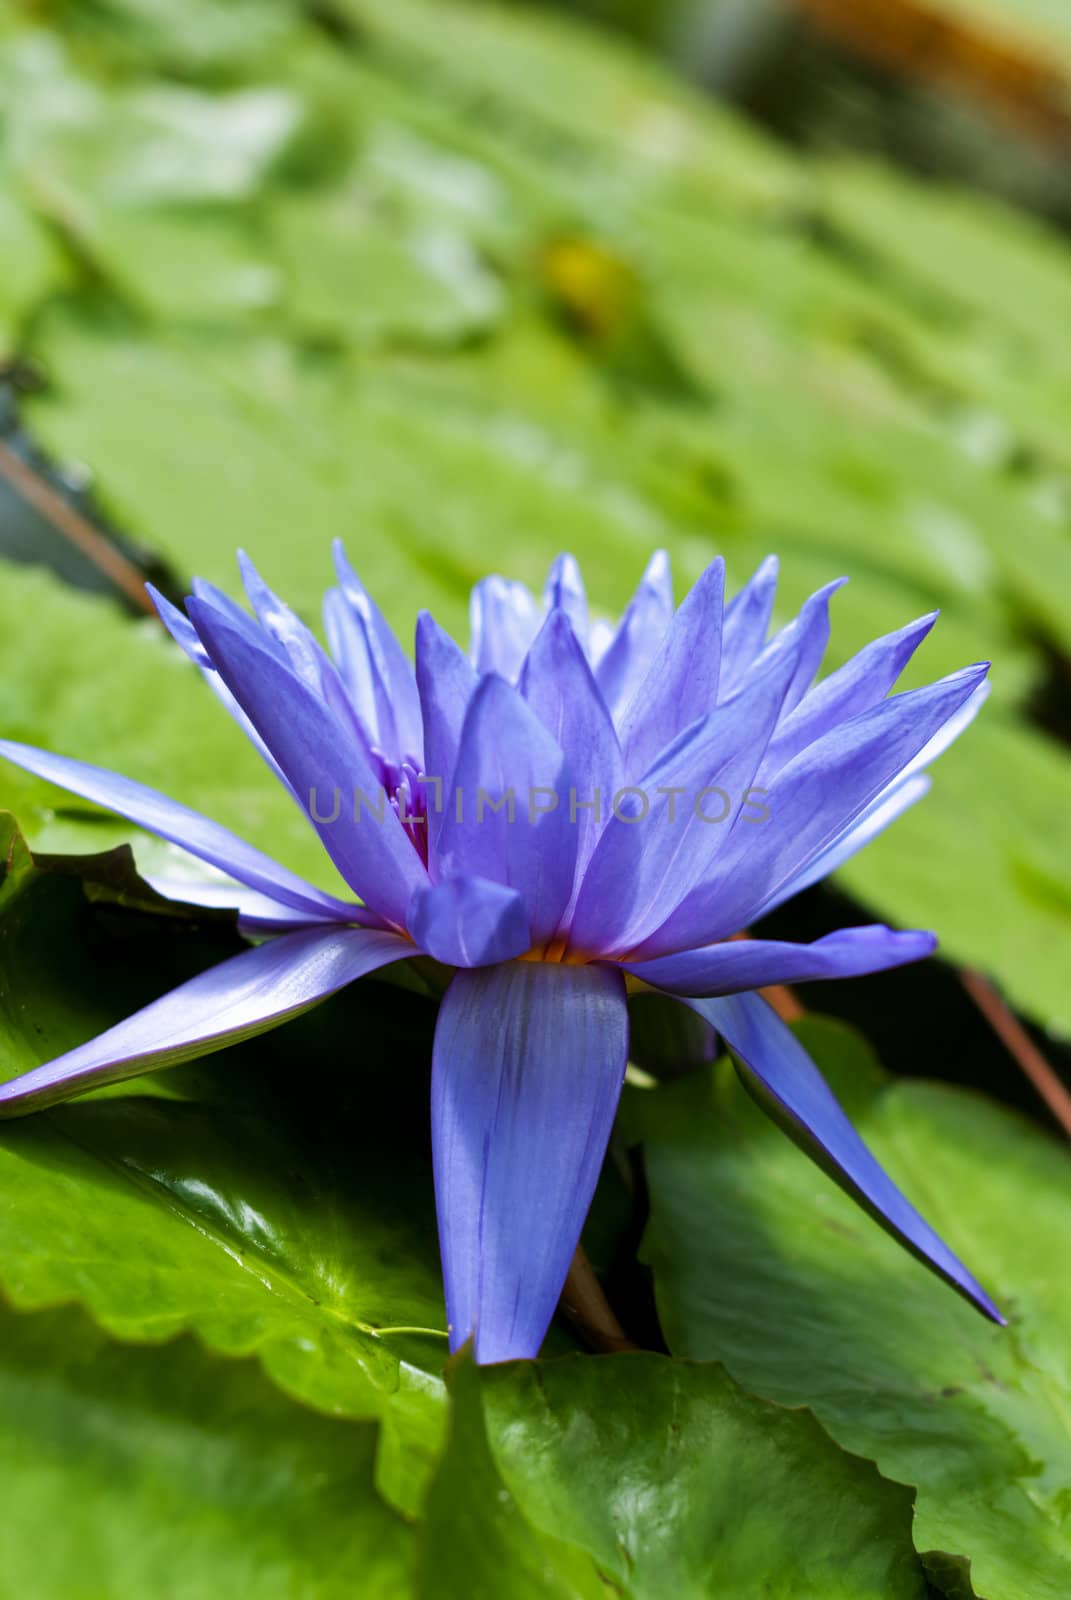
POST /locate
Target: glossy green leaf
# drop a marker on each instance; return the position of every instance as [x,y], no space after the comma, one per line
[276,1198]
[170,1471]
[760,1262]
[669,1477]
[475,1540]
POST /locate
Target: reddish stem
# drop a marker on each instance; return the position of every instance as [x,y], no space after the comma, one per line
[1010,1031]
[75,528]
[587,1308]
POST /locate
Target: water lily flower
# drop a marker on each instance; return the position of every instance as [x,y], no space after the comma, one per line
[567,812]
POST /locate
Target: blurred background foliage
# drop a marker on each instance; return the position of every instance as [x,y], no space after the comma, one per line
[470,285]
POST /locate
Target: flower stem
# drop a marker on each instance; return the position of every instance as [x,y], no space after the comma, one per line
[76,529]
[587,1308]
[1019,1044]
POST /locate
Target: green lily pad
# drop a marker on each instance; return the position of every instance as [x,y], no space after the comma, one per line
[474,1538]
[173,1472]
[663,1477]
[34,268]
[761,1263]
[353,276]
[275,1199]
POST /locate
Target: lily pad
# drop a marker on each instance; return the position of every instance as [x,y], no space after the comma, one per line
[762,1264]
[275,1199]
[170,1471]
[661,1477]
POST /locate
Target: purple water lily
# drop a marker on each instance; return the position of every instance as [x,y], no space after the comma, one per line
[567,812]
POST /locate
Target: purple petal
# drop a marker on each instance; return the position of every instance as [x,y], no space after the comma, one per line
[304,654]
[257,913]
[558,684]
[907,787]
[753,963]
[665,836]
[446,683]
[861,683]
[805,638]
[276,618]
[207,840]
[241,997]
[624,663]
[890,804]
[564,591]
[681,684]
[504,620]
[469,922]
[949,730]
[747,622]
[238,618]
[184,634]
[506,814]
[785,1080]
[367,693]
[323,763]
[812,802]
[528,1066]
[180,628]
[393,667]
[600,638]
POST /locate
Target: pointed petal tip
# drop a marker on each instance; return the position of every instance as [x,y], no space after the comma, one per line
[658,567]
[181,628]
[490,684]
[973,676]
[913,633]
[713,574]
[257,592]
[430,637]
[559,624]
[776,1058]
[245,995]
[993,1312]
[920,942]
[971,1290]
[764,576]
[344,571]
